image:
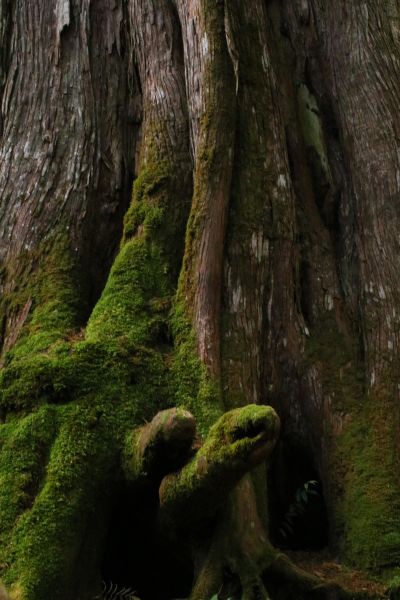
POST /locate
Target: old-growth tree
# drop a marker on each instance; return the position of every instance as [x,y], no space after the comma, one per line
[256,262]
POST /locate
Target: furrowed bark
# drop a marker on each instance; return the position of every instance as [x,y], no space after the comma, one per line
[66,153]
[368,123]
[260,244]
[348,292]
[5,24]
[210,85]
[274,125]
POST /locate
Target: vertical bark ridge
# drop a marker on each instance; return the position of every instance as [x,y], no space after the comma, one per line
[5,39]
[211,92]
[258,313]
[259,248]
[145,273]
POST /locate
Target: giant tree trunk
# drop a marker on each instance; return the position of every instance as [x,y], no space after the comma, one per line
[256,265]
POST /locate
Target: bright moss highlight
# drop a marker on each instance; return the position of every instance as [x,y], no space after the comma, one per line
[239,440]
[61,462]
[135,298]
[51,293]
[63,458]
[313,134]
[194,388]
[48,282]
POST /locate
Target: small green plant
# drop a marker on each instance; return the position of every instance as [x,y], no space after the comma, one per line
[298,507]
[112,592]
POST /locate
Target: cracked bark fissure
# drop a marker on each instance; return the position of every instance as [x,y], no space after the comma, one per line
[256,265]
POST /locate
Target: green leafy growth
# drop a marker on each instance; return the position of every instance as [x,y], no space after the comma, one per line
[297,508]
[86,392]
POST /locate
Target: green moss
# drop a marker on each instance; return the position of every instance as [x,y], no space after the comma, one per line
[49,287]
[362,463]
[150,198]
[75,481]
[169,435]
[134,300]
[47,537]
[228,436]
[310,122]
[59,464]
[48,282]
[24,447]
[194,388]
[132,310]
[159,210]
[239,440]
[371,506]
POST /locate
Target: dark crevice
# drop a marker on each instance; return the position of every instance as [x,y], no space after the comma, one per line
[327,191]
[103,228]
[178,38]
[136,556]
[179,50]
[305,288]
[232,587]
[298,513]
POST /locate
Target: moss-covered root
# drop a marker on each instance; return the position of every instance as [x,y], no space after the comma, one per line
[209,576]
[211,570]
[255,591]
[241,439]
[218,561]
[282,570]
[255,579]
[210,580]
[161,446]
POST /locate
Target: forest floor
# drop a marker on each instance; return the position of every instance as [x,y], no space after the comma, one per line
[323,565]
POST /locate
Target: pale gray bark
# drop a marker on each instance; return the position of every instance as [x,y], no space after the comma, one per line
[68,132]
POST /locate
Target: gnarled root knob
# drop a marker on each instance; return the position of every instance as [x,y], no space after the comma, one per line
[161,446]
[240,440]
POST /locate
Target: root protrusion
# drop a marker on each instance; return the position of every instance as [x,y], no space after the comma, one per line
[161,446]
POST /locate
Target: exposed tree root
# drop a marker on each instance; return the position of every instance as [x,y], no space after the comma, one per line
[239,440]
[161,446]
[210,502]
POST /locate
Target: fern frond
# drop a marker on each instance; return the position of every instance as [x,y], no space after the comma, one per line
[111,591]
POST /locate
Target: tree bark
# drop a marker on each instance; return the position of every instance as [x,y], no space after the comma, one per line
[254,264]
